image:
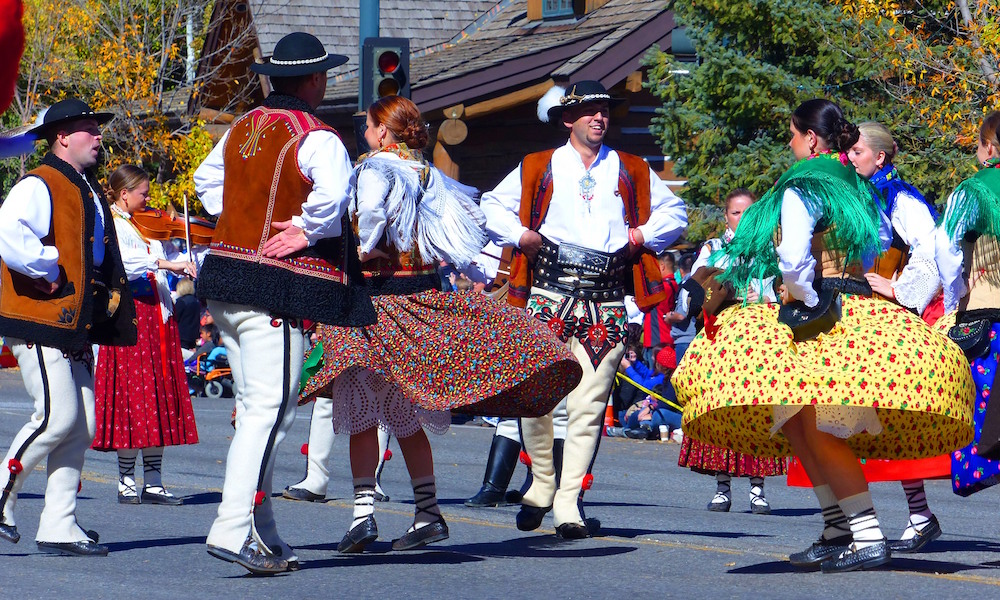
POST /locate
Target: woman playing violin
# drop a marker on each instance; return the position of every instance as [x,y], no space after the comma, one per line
[141,391]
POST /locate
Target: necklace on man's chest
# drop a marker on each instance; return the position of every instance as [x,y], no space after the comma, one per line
[587,186]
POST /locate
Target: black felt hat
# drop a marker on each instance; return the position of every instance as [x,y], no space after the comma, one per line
[579,93]
[298,53]
[65,111]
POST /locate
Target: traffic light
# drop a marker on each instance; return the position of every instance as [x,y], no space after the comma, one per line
[385,67]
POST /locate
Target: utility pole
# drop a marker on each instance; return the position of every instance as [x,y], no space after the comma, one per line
[368,28]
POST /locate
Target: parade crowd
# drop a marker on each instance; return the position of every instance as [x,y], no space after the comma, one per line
[838,317]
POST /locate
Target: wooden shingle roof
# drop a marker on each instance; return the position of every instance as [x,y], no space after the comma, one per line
[507,51]
[336,22]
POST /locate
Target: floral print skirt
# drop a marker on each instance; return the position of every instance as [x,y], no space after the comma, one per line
[971,473]
[881,378]
[464,352]
[706,458]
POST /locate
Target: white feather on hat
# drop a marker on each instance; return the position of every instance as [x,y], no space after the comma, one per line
[550,99]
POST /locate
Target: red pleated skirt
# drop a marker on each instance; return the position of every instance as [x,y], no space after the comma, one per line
[141,400]
[706,458]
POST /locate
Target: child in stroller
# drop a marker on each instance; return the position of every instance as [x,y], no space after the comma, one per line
[208,370]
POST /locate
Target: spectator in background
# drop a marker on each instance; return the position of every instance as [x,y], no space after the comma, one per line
[643,419]
[187,313]
[656,328]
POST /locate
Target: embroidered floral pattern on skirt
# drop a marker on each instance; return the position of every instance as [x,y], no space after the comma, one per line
[879,361]
[137,404]
[599,327]
[453,351]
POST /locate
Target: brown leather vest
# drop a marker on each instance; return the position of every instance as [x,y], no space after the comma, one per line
[830,263]
[262,185]
[982,270]
[890,263]
[633,187]
[66,319]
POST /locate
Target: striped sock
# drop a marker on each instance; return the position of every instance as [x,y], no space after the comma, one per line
[425,499]
[723,487]
[126,472]
[152,462]
[364,499]
[920,513]
[835,523]
[864,524]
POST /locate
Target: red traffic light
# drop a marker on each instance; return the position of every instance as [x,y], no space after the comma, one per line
[388,61]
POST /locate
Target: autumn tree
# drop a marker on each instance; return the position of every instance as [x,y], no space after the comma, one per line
[725,118]
[131,57]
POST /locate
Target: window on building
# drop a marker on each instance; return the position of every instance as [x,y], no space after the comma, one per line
[552,9]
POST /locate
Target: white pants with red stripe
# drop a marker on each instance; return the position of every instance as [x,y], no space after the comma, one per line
[265,354]
[61,428]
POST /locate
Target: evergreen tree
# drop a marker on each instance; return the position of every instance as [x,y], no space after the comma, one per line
[725,119]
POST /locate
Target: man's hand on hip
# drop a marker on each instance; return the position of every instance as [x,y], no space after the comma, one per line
[530,243]
[290,240]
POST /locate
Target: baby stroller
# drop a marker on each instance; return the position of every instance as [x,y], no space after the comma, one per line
[209,377]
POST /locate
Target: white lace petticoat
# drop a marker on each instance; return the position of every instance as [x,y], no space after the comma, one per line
[840,421]
[362,399]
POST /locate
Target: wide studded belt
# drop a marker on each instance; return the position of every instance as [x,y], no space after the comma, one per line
[581,272]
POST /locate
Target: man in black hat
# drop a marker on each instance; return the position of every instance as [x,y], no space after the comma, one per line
[280,181]
[585,222]
[62,288]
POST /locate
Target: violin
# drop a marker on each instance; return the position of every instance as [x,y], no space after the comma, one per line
[156,224]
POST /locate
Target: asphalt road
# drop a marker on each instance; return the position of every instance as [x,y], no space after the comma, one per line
[657,538]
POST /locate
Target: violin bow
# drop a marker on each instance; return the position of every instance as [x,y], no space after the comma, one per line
[187,228]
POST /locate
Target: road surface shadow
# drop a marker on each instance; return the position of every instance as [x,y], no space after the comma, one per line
[911,565]
[157,543]
[203,498]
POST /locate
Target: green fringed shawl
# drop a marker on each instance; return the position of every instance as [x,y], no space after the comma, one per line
[848,204]
[976,203]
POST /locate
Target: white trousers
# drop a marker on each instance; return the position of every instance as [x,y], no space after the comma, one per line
[509,427]
[61,428]
[585,407]
[265,354]
[320,446]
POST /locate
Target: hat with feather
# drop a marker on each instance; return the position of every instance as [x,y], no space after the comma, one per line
[557,99]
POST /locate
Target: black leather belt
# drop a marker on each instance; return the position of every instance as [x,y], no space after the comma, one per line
[581,272]
[846,285]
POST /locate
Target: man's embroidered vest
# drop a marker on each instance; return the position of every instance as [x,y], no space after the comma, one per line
[263,185]
[66,320]
[633,187]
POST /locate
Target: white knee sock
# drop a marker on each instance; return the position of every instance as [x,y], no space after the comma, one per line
[835,522]
[861,514]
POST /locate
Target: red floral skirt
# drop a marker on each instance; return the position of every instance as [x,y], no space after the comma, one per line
[706,458]
[140,402]
[455,351]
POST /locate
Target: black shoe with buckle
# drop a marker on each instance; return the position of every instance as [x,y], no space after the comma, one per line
[925,535]
[9,533]
[428,534]
[821,550]
[251,559]
[529,518]
[294,493]
[856,559]
[162,497]
[359,537]
[84,548]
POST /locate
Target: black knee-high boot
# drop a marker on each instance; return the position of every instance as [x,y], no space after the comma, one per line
[499,469]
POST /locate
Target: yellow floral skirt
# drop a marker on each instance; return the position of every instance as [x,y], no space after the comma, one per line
[881,378]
